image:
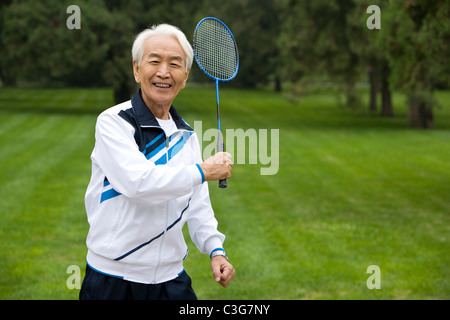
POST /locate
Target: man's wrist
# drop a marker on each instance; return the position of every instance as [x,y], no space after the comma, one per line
[218,252]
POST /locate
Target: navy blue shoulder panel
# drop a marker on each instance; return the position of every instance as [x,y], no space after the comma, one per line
[142,135]
[147,132]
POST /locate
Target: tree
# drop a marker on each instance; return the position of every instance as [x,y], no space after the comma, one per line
[42,49]
[418,43]
[318,38]
[5,73]
[255,25]
[117,67]
[372,54]
[39,45]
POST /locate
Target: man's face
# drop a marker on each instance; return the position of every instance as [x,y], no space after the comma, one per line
[162,73]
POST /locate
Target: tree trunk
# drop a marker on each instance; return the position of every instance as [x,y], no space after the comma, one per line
[122,93]
[277,84]
[8,78]
[352,98]
[420,115]
[386,105]
[371,72]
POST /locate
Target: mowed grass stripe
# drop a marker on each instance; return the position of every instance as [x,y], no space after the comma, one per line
[9,123]
[59,241]
[45,164]
[41,219]
[37,167]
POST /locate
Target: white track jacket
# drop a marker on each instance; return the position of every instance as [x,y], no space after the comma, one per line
[144,187]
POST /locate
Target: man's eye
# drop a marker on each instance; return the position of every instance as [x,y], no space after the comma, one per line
[153,61]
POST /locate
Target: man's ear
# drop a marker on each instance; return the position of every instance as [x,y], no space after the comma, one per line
[187,76]
[136,72]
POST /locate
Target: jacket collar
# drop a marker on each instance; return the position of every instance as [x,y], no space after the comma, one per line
[146,118]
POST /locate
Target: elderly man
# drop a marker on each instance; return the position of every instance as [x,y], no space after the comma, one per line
[147,181]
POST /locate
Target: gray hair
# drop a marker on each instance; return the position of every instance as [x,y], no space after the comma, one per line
[166,29]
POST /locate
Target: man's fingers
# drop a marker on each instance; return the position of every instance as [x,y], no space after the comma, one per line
[224,158]
[217,167]
[217,274]
[227,275]
[225,272]
[222,270]
[220,158]
[216,270]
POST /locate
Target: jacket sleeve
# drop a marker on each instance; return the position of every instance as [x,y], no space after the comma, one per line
[202,223]
[130,173]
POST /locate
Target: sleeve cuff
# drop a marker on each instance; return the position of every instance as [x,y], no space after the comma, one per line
[201,172]
[213,244]
[222,249]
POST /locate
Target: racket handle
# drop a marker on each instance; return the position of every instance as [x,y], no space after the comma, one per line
[223,182]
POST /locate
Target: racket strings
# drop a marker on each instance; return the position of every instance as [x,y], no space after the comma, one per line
[216,50]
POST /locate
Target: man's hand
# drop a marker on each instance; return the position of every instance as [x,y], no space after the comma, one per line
[217,167]
[222,270]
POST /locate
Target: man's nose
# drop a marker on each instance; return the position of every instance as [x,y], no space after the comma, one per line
[163,70]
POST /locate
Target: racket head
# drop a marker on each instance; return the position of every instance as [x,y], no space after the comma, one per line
[215,49]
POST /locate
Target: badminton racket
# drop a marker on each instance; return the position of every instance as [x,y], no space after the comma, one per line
[217,56]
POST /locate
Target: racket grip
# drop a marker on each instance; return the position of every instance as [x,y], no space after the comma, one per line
[223,182]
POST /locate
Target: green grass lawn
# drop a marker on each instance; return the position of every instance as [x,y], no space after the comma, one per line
[353,190]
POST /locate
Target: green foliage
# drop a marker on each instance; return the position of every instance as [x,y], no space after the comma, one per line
[255,25]
[417,44]
[41,49]
[412,47]
[317,39]
[418,47]
[40,46]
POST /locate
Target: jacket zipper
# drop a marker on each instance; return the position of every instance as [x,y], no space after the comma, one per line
[166,220]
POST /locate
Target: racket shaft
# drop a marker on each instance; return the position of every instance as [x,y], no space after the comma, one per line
[222,183]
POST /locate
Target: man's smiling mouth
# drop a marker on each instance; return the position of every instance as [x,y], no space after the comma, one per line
[162,85]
